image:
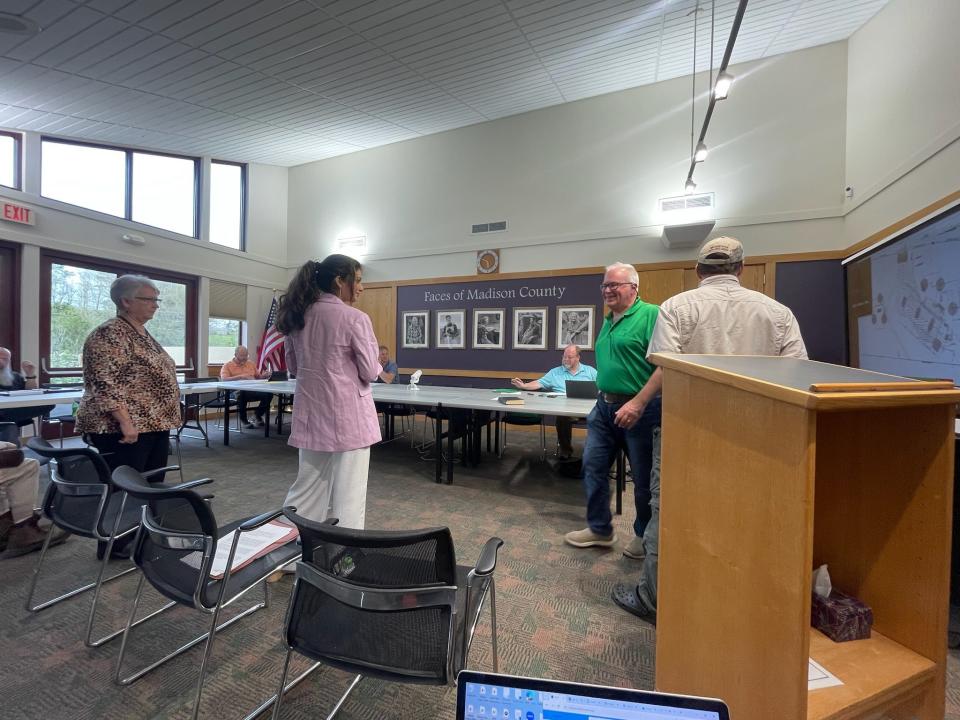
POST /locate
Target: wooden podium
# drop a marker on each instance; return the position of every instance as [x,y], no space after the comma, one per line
[763,479]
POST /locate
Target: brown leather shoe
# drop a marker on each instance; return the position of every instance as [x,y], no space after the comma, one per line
[27,537]
[6,525]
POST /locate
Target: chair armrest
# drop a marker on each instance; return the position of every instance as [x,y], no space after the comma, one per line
[487,562]
[255,522]
[150,473]
[190,484]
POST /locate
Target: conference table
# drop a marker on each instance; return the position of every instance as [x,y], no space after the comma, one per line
[430,397]
[437,398]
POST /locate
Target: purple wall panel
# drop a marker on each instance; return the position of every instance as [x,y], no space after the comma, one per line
[539,292]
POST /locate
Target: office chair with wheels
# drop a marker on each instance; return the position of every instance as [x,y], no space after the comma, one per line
[388,604]
[175,552]
[82,499]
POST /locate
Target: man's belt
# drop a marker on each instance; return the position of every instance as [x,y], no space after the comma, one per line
[616,398]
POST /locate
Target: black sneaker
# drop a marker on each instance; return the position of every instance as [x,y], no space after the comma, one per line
[259,421]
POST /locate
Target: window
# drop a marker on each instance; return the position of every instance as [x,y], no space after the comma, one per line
[75,298]
[164,192]
[227,204]
[224,337]
[149,188]
[10,160]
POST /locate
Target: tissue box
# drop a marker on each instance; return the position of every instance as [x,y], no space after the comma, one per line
[841,617]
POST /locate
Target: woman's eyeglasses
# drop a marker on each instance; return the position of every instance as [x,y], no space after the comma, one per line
[154,300]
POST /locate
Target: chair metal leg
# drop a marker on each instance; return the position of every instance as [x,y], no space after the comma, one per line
[343,698]
[278,698]
[493,623]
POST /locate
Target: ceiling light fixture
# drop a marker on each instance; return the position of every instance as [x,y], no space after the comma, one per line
[723,82]
[722,87]
[700,154]
[690,186]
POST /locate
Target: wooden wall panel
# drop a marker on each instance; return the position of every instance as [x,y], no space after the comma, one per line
[658,285]
[381,305]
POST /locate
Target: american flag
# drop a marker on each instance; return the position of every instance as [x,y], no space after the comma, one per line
[271,347]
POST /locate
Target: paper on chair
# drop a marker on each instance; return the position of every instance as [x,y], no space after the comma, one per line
[252,545]
[819,677]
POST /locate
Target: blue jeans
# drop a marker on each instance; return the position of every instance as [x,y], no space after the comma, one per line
[604,441]
[647,587]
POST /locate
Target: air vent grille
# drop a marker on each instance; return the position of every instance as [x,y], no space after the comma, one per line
[497,226]
[686,202]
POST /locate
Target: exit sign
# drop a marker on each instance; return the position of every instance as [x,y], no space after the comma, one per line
[18,214]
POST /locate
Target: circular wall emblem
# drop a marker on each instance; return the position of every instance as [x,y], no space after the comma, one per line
[488,261]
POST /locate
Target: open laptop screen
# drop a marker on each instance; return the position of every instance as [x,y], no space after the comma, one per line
[486,696]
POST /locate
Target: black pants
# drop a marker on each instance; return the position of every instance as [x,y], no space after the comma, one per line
[149,452]
[243,397]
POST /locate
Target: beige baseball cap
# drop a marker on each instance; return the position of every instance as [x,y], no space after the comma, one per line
[720,251]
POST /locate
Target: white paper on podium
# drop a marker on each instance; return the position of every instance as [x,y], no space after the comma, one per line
[251,544]
[819,677]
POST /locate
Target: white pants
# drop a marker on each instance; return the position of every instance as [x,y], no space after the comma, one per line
[332,484]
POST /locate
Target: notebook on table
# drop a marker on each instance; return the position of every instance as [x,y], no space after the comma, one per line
[582,389]
[487,696]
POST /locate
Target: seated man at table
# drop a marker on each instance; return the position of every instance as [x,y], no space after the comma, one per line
[241,368]
[12,380]
[390,373]
[556,381]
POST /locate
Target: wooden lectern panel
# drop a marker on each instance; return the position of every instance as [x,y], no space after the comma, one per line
[736,547]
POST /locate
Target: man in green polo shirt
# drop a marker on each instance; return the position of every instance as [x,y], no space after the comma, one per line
[626,413]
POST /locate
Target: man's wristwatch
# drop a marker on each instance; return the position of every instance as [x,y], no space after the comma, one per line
[29,377]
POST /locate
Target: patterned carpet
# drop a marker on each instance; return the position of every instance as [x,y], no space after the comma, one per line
[554,616]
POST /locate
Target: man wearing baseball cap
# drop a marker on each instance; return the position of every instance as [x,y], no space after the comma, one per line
[719,317]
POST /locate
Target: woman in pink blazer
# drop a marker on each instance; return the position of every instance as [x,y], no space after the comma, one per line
[331,349]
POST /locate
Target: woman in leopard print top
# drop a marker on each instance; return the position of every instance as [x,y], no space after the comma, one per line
[131,400]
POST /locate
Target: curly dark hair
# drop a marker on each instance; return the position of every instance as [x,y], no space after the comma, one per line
[311,279]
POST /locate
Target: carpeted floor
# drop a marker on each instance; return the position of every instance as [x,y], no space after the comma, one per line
[555,618]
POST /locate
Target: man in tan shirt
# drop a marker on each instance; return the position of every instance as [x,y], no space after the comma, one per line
[242,368]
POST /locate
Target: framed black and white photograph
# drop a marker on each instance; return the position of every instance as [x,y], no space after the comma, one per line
[529,328]
[416,329]
[575,326]
[451,329]
[488,329]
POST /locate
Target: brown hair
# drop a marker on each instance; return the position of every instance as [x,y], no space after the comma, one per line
[311,279]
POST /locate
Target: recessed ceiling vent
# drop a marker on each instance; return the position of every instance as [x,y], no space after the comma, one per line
[686,202]
[498,226]
[17,25]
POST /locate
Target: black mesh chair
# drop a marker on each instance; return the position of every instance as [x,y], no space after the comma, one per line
[527,419]
[175,549]
[82,499]
[386,604]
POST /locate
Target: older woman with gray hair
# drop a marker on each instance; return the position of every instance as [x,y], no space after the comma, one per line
[130,396]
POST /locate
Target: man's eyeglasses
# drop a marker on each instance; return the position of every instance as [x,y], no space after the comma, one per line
[615,285]
[154,300]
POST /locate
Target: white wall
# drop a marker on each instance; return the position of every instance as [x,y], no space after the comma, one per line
[903,113]
[578,183]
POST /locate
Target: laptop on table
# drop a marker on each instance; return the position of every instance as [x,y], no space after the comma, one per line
[582,389]
[487,696]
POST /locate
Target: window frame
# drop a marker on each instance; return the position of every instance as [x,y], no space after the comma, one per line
[129,180]
[50,257]
[17,159]
[243,200]
[10,292]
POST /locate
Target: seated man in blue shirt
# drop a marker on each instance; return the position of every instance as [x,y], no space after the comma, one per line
[390,371]
[556,381]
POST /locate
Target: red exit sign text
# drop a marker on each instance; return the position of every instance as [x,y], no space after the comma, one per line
[18,214]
